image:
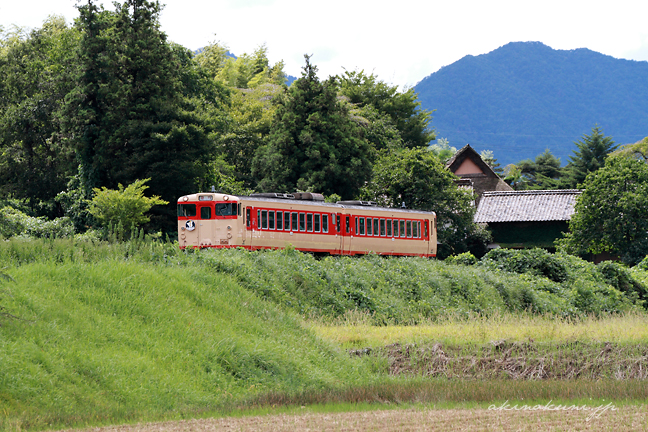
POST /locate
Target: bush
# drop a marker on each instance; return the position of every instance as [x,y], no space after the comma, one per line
[465,258]
[536,261]
[643,265]
[15,223]
[621,279]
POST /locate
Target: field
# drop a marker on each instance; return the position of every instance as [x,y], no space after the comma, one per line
[128,333]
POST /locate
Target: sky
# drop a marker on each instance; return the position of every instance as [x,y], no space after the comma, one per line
[400,41]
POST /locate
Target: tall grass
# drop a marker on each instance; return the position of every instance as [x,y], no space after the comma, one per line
[120,340]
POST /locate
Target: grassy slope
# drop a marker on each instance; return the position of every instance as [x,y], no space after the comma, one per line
[120,340]
[141,331]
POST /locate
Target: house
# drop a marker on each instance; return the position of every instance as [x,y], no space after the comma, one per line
[474,173]
[530,218]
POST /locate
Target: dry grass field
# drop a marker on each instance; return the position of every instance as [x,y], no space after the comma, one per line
[593,418]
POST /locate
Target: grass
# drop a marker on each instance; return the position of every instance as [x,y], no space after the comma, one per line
[355,331]
[139,331]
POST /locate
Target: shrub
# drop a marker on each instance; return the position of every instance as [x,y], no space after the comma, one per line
[15,223]
[465,258]
[536,261]
[621,279]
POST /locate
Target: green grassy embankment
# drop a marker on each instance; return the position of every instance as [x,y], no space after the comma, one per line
[113,333]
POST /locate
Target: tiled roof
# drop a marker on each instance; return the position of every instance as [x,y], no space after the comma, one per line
[527,206]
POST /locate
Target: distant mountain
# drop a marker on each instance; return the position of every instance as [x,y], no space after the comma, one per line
[525,97]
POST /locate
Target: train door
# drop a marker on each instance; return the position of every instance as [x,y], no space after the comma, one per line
[247,221]
[343,230]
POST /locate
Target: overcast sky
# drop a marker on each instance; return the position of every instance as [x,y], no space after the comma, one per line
[402,41]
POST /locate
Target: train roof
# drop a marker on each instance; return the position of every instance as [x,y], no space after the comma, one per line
[220,197]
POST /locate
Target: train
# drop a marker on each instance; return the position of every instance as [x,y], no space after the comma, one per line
[304,221]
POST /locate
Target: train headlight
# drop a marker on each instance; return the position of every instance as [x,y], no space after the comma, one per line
[229,228]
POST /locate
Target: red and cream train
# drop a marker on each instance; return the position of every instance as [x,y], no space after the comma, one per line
[305,221]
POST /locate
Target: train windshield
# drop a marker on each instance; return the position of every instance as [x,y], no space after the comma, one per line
[186,210]
[226,209]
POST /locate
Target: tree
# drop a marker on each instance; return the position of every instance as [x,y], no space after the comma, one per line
[489,157]
[137,111]
[124,207]
[402,107]
[313,144]
[417,178]
[591,154]
[35,156]
[611,213]
[443,150]
[542,173]
[638,150]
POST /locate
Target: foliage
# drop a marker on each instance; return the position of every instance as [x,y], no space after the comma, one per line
[137,110]
[465,258]
[35,155]
[124,207]
[489,157]
[643,265]
[611,213]
[544,172]
[402,107]
[621,279]
[417,178]
[443,150]
[15,223]
[535,261]
[638,150]
[313,144]
[592,151]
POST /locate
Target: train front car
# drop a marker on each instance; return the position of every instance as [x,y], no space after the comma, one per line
[210,220]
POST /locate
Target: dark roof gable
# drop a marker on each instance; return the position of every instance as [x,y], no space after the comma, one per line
[467,152]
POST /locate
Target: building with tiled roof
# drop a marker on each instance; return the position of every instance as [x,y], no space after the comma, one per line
[531,218]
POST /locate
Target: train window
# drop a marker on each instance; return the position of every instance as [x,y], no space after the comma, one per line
[205,213]
[325,223]
[337,223]
[279,220]
[356,226]
[348,227]
[286,221]
[309,222]
[426,229]
[402,228]
[382,227]
[395,228]
[302,222]
[375,228]
[369,226]
[415,229]
[409,229]
[264,219]
[239,209]
[226,209]
[271,220]
[247,217]
[389,227]
[294,221]
[186,210]
[362,226]
[317,222]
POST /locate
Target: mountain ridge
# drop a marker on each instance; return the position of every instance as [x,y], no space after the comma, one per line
[525,97]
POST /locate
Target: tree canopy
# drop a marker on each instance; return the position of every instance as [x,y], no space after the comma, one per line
[313,144]
[417,178]
[611,213]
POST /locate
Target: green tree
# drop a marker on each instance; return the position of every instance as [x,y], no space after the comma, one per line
[123,207]
[35,156]
[489,157]
[313,144]
[638,150]
[611,213]
[592,151]
[443,149]
[417,178]
[137,111]
[544,172]
[403,108]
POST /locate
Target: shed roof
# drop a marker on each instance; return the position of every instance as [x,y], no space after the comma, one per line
[527,206]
